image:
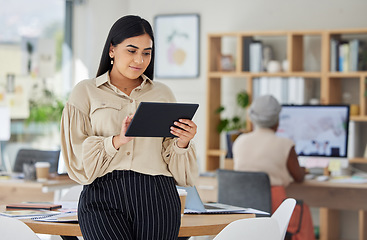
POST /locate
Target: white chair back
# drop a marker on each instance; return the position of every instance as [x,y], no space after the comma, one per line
[283,214]
[72,194]
[264,228]
[12,228]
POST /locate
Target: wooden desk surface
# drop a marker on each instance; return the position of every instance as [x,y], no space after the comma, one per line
[19,190]
[333,195]
[191,225]
[52,181]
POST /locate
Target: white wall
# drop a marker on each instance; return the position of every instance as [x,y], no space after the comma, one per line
[92,22]
[94,19]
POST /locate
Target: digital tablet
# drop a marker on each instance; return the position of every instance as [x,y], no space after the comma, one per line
[154,119]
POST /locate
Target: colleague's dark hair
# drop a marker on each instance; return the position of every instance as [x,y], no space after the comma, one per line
[126,27]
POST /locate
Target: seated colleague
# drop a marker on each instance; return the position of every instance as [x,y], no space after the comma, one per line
[262,151]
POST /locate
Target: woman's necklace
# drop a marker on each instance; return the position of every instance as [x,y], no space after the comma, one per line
[132,86]
[137,83]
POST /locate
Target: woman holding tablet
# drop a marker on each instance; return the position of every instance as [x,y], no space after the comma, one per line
[129,183]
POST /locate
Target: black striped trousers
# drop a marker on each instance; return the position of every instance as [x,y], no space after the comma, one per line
[129,205]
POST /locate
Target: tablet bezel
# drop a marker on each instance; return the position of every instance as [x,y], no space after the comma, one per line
[154,119]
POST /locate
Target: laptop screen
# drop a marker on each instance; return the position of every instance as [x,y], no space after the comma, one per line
[193,200]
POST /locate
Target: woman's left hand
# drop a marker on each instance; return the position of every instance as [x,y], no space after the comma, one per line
[186,133]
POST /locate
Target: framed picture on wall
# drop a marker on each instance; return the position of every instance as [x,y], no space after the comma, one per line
[177,39]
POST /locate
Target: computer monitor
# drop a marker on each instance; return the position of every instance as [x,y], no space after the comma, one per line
[319,131]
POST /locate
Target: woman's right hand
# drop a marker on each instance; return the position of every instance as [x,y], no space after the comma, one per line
[121,139]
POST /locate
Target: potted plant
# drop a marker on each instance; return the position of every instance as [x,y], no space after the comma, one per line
[45,110]
[237,124]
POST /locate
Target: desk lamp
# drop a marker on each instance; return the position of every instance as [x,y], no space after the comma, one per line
[4,130]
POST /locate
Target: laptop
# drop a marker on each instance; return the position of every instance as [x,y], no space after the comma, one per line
[194,205]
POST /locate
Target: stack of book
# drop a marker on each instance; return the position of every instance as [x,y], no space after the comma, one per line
[42,211]
[292,90]
[20,214]
[348,56]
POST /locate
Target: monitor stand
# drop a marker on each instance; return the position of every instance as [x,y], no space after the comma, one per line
[317,165]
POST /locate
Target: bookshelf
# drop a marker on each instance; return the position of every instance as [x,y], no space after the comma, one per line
[295,48]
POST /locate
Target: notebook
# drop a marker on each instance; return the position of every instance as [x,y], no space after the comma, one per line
[65,217]
[154,119]
[194,205]
[35,205]
[28,213]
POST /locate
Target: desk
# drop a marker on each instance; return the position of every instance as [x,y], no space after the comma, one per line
[191,225]
[329,196]
[332,197]
[18,190]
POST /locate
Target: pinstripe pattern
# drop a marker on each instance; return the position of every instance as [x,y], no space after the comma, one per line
[130,205]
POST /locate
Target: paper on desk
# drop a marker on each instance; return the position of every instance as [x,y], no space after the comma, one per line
[68,213]
[68,205]
[335,165]
[244,211]
[24,214]
[251,210]
[71,216]
[349,180]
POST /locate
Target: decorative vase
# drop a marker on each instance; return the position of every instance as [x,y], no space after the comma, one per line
[273,66]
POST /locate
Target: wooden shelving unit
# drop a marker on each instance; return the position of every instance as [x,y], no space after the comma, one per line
[331,83]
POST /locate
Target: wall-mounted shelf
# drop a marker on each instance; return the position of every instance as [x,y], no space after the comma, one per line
[330,83]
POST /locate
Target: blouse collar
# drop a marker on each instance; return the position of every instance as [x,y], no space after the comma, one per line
[105,78]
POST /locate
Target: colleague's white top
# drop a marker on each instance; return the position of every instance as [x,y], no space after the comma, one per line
[261,150]
[94,114]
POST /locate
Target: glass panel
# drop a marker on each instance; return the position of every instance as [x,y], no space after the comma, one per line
[31,72]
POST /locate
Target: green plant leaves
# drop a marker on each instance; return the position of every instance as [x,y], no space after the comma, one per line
[243,99]
[235,123]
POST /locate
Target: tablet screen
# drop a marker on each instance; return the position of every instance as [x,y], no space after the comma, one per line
[154,119]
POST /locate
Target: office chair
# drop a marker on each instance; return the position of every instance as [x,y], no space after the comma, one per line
[34,155]
[12,228]
[72,194]
[264,228]
[244,189]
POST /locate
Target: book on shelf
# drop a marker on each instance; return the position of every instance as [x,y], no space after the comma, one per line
[291,90]
[31,205]
[344,56]
[362,56]
[334,55]
[246,53]
[256,56]
[353,55]
[348,55]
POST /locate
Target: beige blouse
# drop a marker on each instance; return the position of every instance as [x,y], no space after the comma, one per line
[94,114]
[261,150]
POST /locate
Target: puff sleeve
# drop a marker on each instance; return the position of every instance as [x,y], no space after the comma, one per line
[85,155]
[181,162]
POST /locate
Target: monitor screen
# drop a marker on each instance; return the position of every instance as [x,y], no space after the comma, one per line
[317,130]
